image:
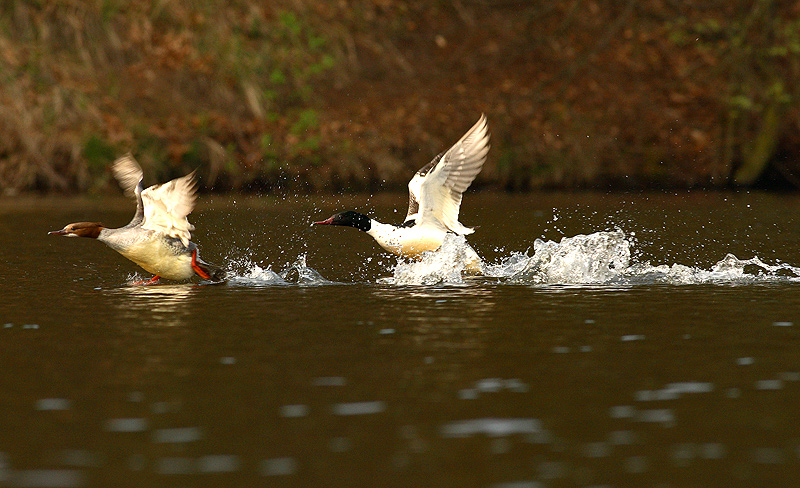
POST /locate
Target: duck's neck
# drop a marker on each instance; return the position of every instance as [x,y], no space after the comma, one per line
[378,228]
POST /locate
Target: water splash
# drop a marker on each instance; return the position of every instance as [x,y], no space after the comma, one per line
[728,271]
[299,273]
[445,265]
[601,258]
[606,258]
[245,272]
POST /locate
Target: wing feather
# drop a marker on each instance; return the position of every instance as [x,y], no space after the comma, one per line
[441,189]
[128,173]
[167,206]
[131,178]
[415,187]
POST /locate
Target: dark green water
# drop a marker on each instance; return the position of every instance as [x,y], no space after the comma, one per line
[671,371]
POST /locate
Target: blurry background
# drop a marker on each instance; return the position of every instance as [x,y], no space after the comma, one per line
[348,95]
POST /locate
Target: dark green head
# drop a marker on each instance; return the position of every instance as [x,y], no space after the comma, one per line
[349,219]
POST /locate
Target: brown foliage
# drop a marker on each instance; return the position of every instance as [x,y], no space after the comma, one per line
[357,94]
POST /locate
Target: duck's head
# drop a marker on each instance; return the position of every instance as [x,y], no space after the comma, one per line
[349,219]
[80,229]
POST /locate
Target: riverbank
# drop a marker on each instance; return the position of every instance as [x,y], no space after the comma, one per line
[316,96]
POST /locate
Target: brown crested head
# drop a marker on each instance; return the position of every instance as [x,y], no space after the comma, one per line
[80,229]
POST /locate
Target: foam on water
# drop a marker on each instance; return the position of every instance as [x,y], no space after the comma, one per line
[177,435]
[583,259]
[56,478]
[279,466]
[358,408]
[245,272]
[600,258]
[493,427]
[445,265]
[128,424]
[606,258]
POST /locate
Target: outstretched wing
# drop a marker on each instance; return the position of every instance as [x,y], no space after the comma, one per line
[128,173]
[450,174]
[166,207]
[131,178]
[415,188]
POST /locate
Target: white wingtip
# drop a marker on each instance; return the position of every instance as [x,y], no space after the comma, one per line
[128,173]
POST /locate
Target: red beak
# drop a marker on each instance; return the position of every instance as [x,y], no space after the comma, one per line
[57,232]
[324,222]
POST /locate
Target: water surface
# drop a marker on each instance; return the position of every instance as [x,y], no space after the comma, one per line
[655,346]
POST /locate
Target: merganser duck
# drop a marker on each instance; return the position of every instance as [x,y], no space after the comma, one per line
[435,194]
[157,238]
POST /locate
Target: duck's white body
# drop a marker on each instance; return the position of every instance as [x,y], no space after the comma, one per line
[157,254]
[408,242]
[435,194]
[411,242]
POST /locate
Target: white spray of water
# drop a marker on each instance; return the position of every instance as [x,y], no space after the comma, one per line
[445,265]
[585,259]
[244,272]
[598,258]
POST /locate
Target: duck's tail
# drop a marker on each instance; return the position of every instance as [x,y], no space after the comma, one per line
[207,270]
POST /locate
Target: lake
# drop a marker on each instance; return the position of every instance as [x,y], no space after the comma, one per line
[616,340]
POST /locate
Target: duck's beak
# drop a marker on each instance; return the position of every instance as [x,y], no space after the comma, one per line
[324,222]
[57,232]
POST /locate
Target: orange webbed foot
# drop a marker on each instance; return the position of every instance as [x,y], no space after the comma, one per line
[152,281]
[197,269]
